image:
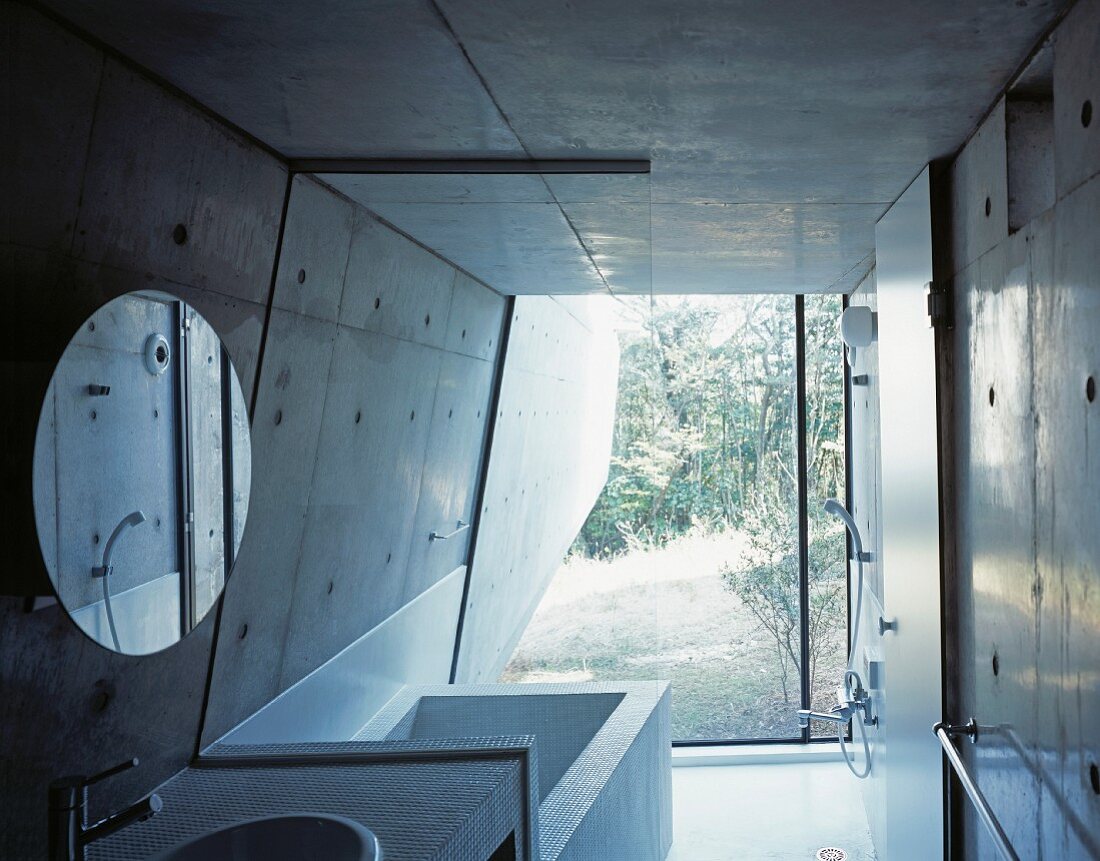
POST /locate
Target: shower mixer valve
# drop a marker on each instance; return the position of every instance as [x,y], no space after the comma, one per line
[848,703]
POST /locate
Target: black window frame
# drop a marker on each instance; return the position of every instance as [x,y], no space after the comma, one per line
[805,736]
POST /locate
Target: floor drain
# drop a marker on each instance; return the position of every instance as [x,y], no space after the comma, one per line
[831,853]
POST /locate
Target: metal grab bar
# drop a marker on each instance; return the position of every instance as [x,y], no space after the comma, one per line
[944,732]
[435,536]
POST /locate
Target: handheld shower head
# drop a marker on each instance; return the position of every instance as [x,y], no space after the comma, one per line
[850,698]
[134,518]
[833,507]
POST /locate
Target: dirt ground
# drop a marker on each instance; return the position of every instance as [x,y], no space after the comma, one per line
[663,614]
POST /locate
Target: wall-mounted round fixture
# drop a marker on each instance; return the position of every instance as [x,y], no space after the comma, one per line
[858,329]
[158,354]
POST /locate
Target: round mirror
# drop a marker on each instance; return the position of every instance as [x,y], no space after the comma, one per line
[142,470]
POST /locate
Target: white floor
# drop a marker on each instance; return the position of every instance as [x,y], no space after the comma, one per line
[773,811]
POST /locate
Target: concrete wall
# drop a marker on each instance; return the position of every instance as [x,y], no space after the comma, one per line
[109,164]
[372,362]
[549,460]
[1026,644]
[369,427]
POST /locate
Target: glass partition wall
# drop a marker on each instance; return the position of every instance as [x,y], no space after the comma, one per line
[729,437]
[707,560]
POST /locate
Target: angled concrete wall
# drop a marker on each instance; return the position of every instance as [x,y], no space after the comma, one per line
[550,454]
[370,421]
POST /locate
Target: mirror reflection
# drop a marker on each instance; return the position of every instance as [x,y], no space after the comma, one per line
[142,470]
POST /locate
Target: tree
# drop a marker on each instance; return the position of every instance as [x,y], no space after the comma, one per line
[766,579]
[705,432]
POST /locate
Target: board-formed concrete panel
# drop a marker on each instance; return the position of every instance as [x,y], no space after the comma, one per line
[979,191]
[211,202]
[996,569]
[1067,488]
[258,595]
[362,501]
[314,253]
[394,286]
[256,605]
[291,398]
[1077,97]
[476,316]
[50,91]
[451,476]
[548,463]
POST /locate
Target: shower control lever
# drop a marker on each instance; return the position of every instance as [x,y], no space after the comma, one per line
[848,703]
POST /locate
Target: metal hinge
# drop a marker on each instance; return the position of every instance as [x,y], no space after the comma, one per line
[939,304]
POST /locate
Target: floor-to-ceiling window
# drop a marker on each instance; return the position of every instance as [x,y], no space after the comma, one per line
[707,559]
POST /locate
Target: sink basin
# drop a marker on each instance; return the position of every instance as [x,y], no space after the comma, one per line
[288,837]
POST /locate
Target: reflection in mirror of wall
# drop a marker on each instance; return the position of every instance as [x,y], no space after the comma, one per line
[142,470]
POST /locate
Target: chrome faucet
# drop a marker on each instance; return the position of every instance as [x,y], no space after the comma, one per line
[69,831]
[848,702]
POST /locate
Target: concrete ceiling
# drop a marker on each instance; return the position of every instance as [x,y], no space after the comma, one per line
[778,132]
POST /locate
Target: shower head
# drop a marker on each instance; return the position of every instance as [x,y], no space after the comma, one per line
[833,507]
[134,518]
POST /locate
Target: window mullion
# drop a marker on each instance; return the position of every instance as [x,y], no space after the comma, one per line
[803,503]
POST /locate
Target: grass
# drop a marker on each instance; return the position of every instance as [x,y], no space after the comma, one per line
[662,613]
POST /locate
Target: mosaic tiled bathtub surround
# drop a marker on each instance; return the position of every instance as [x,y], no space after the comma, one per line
[604,756]
[423,803]
[576,772]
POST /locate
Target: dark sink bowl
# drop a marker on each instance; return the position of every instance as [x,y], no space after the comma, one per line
[287,837]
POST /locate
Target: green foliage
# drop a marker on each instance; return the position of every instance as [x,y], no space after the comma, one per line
[705,437]
[766,580]
[706,422]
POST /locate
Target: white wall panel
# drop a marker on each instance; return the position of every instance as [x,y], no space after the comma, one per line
[910,527]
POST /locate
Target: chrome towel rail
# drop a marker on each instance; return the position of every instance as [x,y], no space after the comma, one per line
[944,732]
[435,536]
